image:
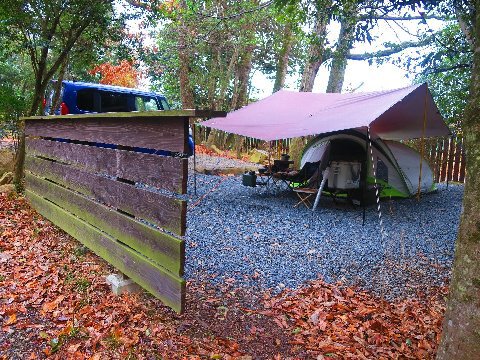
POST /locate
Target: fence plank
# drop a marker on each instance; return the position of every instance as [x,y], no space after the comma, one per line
[163,172]
[164,249]
[444,160]
[160,133]
[463,163]
[437,159]
[167,287]
[456,161]
[163,211]
[431,144]
[451,151]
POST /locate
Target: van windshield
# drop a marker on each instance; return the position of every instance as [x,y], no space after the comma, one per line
[145,103]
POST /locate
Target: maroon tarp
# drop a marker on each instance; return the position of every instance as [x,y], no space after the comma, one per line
[393,115]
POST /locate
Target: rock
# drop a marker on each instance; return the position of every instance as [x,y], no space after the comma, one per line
[7,161]
[6,178]
[121,285]
[7,189]
[217,150]
[258,156]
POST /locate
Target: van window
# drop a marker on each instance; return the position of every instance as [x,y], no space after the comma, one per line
[114,102]
[164,104]
[145,104]
[85,100]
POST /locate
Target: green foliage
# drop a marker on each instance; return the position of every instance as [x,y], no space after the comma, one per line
[447,70]
[54,33]
[219,38]
[14,99]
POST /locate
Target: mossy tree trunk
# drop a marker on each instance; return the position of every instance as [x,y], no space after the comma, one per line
[283,57]
[184,58]
[344,44]
[461,327]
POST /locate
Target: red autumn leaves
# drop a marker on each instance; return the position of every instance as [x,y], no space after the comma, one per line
[124,74]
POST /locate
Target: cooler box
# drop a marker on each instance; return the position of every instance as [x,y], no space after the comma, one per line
[344,175]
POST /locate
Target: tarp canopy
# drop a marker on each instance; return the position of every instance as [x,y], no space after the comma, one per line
[399,114]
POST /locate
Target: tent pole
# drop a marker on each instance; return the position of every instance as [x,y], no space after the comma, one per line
[320,189]
[269,156]
[422,144]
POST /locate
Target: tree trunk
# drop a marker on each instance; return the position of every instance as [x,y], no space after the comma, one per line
[57,99]
[20,155]
[244,68]
[461,326]
[283,57]
[315,52]
[186,90]
[339,59]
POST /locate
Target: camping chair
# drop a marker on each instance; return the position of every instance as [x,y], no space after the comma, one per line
[314,185]
[301,178]
[309,189]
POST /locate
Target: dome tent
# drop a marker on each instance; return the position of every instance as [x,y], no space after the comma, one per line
[396,165]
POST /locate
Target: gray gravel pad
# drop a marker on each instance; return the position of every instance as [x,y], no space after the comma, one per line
[254,237]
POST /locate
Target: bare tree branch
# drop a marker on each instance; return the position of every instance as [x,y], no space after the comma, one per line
[390,51]
[450,68]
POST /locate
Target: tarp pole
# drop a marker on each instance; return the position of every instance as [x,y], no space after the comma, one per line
[194,164]
[365,176]
[269,156]
[422,144]
[319,193]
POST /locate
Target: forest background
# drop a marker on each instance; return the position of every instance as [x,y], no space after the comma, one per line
[203,54]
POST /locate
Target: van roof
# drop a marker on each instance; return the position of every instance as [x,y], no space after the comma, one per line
[118,89]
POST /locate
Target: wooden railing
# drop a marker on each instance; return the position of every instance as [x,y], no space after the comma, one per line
[446,157]
[98,178]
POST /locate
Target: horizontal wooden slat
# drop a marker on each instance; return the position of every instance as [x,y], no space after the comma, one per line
[189,113]
[164,249]
[161,133]
[163,172]
[167,287]
[164,211]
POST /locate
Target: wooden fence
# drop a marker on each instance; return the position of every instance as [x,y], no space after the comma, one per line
[446,157]
[96,177]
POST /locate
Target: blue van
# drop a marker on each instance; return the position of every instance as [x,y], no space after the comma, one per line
[83,98]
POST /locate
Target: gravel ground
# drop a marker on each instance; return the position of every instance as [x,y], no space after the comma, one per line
[254,237]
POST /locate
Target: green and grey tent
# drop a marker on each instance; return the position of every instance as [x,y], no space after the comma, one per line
[396,165]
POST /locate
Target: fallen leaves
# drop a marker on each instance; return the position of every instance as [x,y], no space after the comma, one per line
[54,303]
[12,319]
[346,323]
[50,306]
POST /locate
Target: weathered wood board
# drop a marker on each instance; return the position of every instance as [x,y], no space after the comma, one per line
[161,283]
[162,248]
[161,210]
[163,172]
[144,132]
